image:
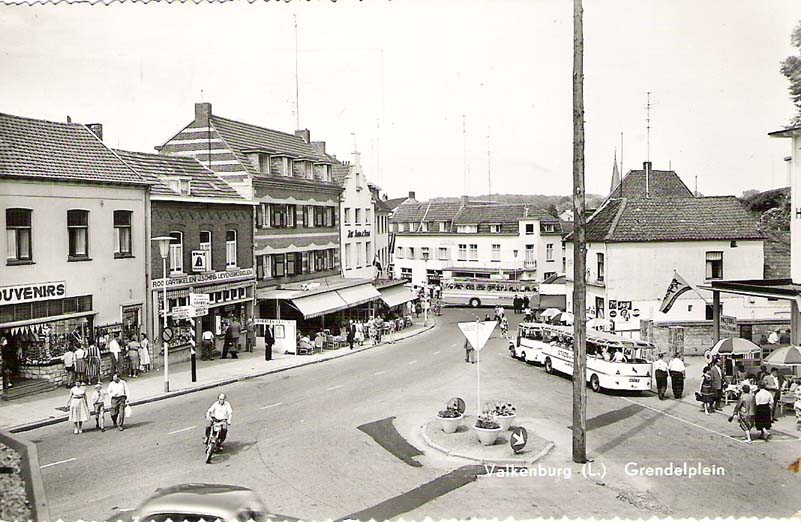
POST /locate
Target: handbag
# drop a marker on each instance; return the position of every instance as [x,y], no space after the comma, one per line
[698,397]
[128,411]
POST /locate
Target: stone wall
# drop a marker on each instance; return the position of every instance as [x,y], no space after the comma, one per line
[698,335]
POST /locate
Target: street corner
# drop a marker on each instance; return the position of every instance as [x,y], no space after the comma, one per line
[464,443]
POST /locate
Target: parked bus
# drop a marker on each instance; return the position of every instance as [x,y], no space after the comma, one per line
[632,370]
[530,343]
[461,291]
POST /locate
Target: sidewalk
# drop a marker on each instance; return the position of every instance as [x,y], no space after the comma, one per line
[44,409]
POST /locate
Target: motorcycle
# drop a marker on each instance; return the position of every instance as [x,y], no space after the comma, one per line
[213,444]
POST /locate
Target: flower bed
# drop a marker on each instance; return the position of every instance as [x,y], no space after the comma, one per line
[13,498]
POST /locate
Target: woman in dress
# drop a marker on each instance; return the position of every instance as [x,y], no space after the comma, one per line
[79,409]
[133,356]
[144,354]
[707,395]
[359,333]
[93,363]
[744,410]
[80,364]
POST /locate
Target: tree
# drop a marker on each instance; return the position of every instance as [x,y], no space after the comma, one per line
[749,193]
[791,69]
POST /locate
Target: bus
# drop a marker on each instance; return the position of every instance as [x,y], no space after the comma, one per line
[633,373]
[475,292]
[530,343]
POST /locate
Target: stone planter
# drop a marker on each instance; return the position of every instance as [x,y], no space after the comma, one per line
[505,421]
[450,424]
[487,436]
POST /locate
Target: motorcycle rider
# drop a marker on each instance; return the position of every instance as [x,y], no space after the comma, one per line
[220,410]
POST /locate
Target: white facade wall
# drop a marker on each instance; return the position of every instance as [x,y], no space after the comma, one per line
[112,283]
[795,209]
[358,239]
[640,273]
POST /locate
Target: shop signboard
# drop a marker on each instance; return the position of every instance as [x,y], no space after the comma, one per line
[212,277]
[199,261]
[32,292]
[283,332]
[182,312]
[200,304]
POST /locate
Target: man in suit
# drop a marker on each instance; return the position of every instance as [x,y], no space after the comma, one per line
[269,341]
[351,333]
[717,383]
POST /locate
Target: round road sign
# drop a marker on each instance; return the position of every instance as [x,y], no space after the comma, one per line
[459,403]
[166,334]
[518,439]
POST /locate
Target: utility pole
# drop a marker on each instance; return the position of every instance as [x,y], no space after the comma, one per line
[579,245]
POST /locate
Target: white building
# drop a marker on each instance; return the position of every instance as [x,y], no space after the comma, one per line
[471,239]
[635,243]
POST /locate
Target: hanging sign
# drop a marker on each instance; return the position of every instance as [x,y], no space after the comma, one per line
[199,261]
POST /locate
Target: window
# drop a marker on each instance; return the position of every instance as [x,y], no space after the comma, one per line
[347,216]
[324,216]
[348,264]
[714,265]
[18,234]
[263,267]
[368,254]
[529,229]
[358,219]
[411,227]
[406,273]
[399,253]
[548,227]
[411,253]
[283,216]
[278,265]
[122,233]
[359,255]
[230,249]
[709,311]
[442,226]
[549,252]
[264,215]
[424,227]
[496,253]
[425,252]
[601,270]
[466,229]
[462,253]
[546,275]
[442,253]
[531,256]
[294,262]
[473,252]
[176,253]
[367,220]
[205,245]
[495,229]
[182,186]
[78,229]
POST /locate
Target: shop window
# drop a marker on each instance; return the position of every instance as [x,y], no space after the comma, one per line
[18,235]
[205,246]
[78,231]
[176,252]
[230,249]
[122,233]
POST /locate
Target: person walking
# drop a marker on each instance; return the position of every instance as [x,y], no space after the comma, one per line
[133,356]
[360,332]
[763,413]
[391,331]
[717,383]
[744,410]
[118,391]
[707,391]
[517,304]
[351,337]
[80,364]
[528,315]
[525,302]
[114,348]
[678,373]
[93,363]
[251,335]
[504,327]
[773,384]
[661,374]
[469,353]
[269,341]
[379,329]
[207,346]
[99,406]
[69,366]
[773,338]
[79,410]
[144,354]
[232,335]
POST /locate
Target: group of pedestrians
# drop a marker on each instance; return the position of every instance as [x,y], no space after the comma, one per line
[78,404]
[520,304]
[675,370]
[84,364]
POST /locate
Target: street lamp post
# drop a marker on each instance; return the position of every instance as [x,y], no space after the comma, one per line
[164,250]
[425,289]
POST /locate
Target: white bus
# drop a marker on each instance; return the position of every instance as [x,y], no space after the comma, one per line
[461,291]
[530,343]
[603,373]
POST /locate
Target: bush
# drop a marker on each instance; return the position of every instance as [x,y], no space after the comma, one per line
[451,410]
[487,421]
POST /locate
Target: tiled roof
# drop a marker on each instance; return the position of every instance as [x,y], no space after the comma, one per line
[493,213]
[661,184]
[394,203]
[58,151]
[381,205]
[339,172]
[777,256]
[244,136]
[672,219]
[153,167]
[416,211]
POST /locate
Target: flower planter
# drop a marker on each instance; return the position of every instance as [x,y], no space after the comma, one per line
[505,421]
[487,436]
[450,424]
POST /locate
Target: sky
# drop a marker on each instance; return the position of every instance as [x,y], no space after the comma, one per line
[442,98]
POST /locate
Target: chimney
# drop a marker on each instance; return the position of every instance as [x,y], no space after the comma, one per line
[357,161]
[69,120]
[411,194]
[305,134]
[202,113]
[97,129]
[386,198]
[465,200]
[646,166]
[319,146]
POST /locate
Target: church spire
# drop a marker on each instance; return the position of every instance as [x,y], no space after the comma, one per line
[615,176]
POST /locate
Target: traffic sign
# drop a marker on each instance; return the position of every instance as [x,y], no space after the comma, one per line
[199,261]
[166,334]
[460,405]
[518,439]
[477,332]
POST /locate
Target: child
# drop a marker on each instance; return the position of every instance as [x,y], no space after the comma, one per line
[745,410]
[99,406]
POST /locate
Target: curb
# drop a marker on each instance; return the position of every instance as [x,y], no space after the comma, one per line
[497,462]
[231,380]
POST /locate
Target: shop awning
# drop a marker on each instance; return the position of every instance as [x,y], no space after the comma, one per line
[356,295]
[319,304]
[49,319]
[396,295]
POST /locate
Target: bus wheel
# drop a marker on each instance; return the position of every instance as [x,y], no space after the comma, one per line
[548,365]
[475,302]
[595,384]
